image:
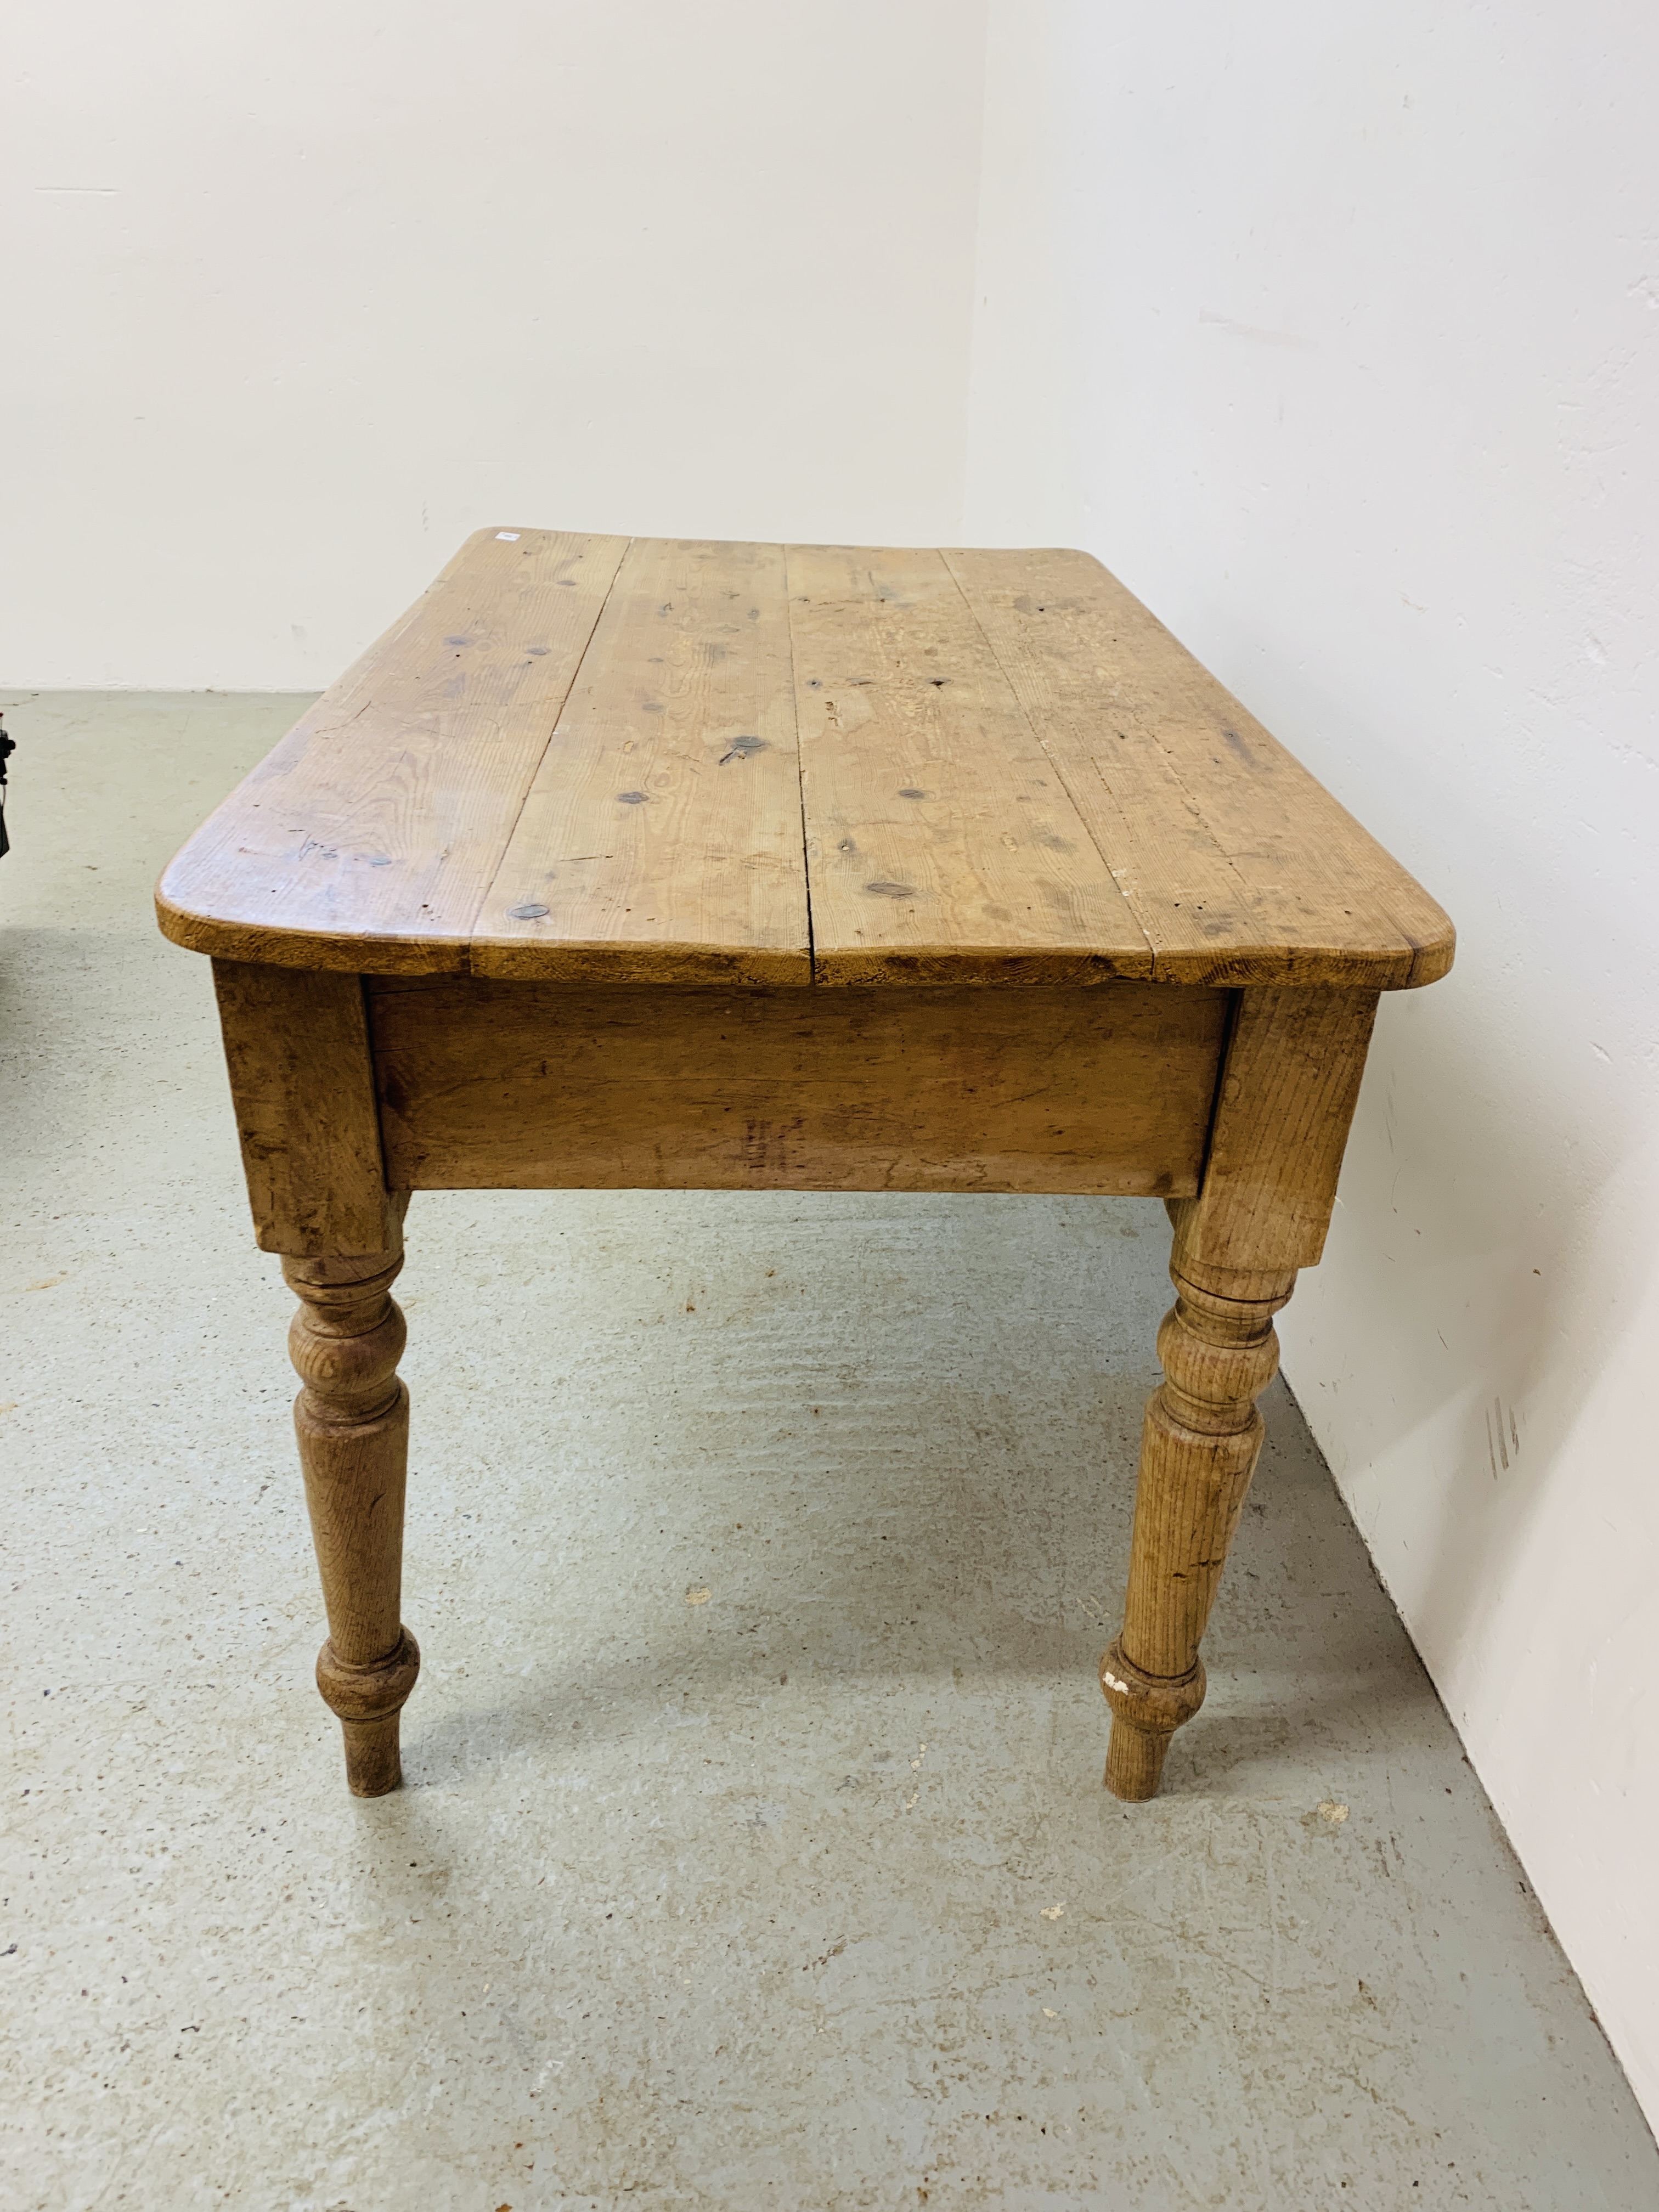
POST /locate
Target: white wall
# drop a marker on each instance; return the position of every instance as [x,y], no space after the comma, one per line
[297,294]
[1358,314]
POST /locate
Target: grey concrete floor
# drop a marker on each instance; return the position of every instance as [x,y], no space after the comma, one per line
[805,1894]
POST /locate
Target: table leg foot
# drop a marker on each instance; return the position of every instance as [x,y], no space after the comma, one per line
[352,1422]
[368,1702]
[1145,1713]
[1199,1442]
[1134,1761]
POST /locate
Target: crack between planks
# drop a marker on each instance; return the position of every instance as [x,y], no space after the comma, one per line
[1065,785]
[552,731]
[801,772]
[1246,899]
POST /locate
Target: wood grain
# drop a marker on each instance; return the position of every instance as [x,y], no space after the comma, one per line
[296,1046]
[541,1086]
[661,838]
[368,838]
[941,845]
[1239,865]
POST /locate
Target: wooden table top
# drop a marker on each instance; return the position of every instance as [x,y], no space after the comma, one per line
[599,759]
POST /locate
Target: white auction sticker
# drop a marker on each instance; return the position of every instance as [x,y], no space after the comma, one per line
[512,534]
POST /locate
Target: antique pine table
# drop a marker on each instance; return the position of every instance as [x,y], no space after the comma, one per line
[648,865]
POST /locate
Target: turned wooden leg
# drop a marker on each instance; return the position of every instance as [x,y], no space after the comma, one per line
[352,1420]
[1290,1076]
[1199,1447]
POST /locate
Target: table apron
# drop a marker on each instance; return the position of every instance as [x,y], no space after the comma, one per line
[1106,1089]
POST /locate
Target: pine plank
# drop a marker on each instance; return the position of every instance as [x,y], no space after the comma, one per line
[368,837]
[661,838]
[1240,867]
[941,845]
